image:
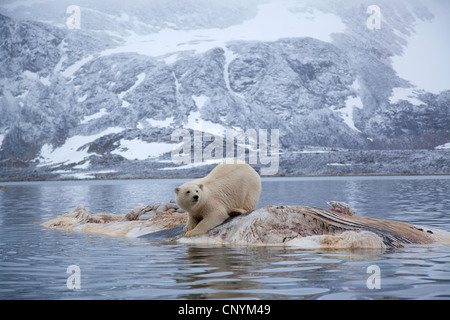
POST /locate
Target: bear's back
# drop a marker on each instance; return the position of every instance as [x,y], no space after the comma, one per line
[234,185]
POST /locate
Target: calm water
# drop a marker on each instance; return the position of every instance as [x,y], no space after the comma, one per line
[34,260]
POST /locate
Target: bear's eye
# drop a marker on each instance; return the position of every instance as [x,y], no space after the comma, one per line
[196,191]
[188,192]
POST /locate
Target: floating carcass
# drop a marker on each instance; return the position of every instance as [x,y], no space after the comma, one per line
[298,226]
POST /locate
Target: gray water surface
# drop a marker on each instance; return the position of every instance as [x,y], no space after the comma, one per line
[34,260]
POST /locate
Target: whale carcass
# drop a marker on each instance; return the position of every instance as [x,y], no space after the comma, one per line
[297,226]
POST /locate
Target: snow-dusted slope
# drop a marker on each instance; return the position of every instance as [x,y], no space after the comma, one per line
[425,61]
[112,92]
[273,21]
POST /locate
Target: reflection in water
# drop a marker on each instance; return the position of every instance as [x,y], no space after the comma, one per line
[271,272]
[224,272]
[34,260]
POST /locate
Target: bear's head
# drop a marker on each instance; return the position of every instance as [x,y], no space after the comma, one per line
[189,195]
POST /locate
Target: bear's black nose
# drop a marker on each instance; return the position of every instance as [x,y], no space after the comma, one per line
[195,197]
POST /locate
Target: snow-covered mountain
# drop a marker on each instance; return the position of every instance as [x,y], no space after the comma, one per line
[97,89]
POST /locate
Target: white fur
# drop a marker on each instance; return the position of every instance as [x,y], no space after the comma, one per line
[227,189]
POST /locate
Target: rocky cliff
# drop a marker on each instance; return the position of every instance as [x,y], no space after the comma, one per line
[103,100]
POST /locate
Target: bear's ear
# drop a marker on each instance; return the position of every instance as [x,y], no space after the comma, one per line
[176,190]
[200,186]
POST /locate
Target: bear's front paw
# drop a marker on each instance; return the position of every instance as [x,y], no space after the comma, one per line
[192,233]
[188,228]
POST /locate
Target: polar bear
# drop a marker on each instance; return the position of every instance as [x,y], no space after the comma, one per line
[229,189]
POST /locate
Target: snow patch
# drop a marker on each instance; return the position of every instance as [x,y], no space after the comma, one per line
[196,164]
[310,151]
[65,174]
[97,115]
[346,113]
[126,104]
[35,76]
[70,70]
[45,81]
[82,99]
[229,57]
[23,95]
[2,137]
[353,101]
[156,123]
[171,58]
[62,47]
[408,94]
[200,101]
[71,151]
[141,150]
[272,22]
[195,122]
[160,123]
[445,146]
[82,166]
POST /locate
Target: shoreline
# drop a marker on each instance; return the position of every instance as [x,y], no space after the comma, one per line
[394,175]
